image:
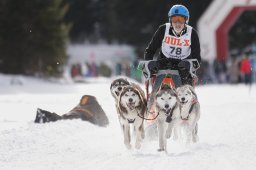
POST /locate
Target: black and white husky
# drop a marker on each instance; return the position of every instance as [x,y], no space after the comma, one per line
[131,107]
[167,108]
[117,87]
[189,113]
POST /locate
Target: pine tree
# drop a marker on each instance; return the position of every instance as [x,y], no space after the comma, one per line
[84,16]
[33,36]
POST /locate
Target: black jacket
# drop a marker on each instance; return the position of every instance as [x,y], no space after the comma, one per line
[156,43]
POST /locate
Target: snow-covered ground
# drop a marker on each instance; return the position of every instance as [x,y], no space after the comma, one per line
[227,131]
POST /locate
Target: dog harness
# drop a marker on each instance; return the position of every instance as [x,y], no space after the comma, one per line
[190,109]
[169,115]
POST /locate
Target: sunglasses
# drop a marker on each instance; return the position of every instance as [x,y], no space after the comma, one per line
[179,19]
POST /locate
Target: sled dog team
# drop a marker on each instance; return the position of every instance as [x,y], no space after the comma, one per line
[177,111]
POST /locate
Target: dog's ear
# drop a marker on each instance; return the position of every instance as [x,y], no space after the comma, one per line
[142,95]
[113,82]
[177,89]
[125,79]
[137,87]
[113,93]
[175,92]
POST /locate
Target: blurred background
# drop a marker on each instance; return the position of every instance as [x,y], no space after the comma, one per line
[84,39]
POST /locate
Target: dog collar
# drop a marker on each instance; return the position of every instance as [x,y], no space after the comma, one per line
[190,110]
[192,106]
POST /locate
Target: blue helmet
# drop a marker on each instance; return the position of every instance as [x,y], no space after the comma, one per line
[179,10]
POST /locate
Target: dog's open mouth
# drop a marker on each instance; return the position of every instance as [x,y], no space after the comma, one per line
[184,102]
[131,105]
[167,111]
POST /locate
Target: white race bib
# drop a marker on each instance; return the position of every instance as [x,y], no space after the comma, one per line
[176,47]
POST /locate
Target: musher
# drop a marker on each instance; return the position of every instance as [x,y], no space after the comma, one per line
[179,43]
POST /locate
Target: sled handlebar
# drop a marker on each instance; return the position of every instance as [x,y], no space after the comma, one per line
[151,67]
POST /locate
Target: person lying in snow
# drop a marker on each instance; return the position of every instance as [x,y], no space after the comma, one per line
[88,109]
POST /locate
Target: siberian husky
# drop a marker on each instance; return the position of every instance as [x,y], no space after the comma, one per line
[190,113]
[131,107]
[167,109]
[117,87]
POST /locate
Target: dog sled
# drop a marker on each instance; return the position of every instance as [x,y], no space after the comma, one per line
[151,71]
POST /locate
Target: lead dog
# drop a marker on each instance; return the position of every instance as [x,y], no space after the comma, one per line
[190,113]
[131,107]
[167,108]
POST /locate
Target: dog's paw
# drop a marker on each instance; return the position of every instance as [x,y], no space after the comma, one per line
[128,146]
[137,145]
[160,150]
[168,135]
[175,137]
[143,135]
[195,139]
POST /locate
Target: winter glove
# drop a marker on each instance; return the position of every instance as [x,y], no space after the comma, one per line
[184,65]
[149,68]
[153,66]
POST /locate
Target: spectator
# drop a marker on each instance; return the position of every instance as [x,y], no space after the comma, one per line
[234,71]
[246,70]
[253,62]
[118,69]
[74,71]
[220,70]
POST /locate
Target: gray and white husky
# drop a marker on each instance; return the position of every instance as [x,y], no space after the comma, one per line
[117,87]
[167,108]
[131,107]
[189,113]
[130,102]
